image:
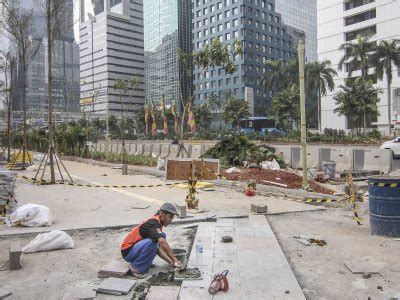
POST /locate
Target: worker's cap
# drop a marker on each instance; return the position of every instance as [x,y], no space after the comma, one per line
[169,207]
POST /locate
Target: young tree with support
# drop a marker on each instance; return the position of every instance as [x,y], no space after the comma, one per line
[18,24]
[56,21]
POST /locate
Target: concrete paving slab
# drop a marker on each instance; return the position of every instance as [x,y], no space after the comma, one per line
[114,269]
[79,293]
[258,267]
[4,293]
[115,286]
[163,293]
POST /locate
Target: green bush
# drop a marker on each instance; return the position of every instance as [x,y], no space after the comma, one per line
[234,149]
[130,159]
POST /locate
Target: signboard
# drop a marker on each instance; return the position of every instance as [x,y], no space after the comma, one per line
[97,93]
[86,101]
[179,168]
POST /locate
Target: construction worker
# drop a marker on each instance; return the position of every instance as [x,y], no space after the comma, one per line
[147,240]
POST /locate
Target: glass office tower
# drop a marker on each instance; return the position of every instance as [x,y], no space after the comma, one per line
[264,36]
[167,31]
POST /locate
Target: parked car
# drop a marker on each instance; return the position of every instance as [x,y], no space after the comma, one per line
[393,145]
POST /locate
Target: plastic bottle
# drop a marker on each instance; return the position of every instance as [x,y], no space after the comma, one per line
[199,254]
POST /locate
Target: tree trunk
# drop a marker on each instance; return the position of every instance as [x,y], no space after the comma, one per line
[389,98]
[319,110]
[24,130]
[49,90]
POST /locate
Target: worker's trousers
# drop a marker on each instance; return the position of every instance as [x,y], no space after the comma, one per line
[142,254]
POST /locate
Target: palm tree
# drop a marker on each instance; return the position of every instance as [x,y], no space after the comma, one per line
[356,99]
[386,55]
[274,75]
[357,56]
[235,111]
[285,107]
[319,77]
[280,75]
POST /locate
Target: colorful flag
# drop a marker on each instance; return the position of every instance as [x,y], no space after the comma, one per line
[146,117]
[175,116]
[154,125]
[165,120]
[191,122]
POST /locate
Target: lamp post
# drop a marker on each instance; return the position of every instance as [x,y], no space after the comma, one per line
[301,52]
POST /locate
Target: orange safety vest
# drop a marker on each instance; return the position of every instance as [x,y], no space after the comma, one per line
[134,236]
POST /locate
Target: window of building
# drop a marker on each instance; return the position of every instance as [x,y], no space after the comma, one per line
[212,29]
[212,19]
[235,22]
[219,26]
[212,8]
[219,16]
[371,14]
[356,3]
[352,35]
[227,25]
[227,14]
[227,36]
[235,11]
[235,34]
[204,11]
[219,5]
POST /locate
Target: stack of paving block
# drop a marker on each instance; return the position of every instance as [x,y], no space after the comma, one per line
[7,201]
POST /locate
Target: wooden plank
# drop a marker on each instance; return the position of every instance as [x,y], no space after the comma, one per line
[179,169]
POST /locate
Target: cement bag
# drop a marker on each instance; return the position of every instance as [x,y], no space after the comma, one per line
[52,240]
[161,164]
[31,215]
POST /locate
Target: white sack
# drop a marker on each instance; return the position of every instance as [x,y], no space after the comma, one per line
[52,240]
[233,170]
[161,164]
[32,215]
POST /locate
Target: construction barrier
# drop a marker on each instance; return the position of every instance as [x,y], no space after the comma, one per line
[156,149]
[343,158]
[196,151]
[164,150]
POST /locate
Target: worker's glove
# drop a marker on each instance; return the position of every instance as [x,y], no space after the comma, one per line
[219,283]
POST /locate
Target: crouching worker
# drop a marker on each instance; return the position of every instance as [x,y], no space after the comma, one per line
[147,240]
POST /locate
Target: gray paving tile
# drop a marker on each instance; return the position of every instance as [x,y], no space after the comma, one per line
[163,293]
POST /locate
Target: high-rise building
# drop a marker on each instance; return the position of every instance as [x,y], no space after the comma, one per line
[301,15]
[263,35]
[167,31]
[111,48]
[341,21]
[65,67]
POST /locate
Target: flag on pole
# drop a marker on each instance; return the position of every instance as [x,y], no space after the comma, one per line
[191,122]
[176,126]
[165,120]
[146,118]
[153,125]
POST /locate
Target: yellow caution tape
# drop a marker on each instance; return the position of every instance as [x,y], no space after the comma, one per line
[30,179]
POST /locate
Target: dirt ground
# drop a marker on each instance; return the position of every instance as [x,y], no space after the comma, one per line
[292,180]
[321,271]
[47,275]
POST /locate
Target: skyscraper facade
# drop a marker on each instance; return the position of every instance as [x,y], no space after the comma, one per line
[341,21]
[167,31]
[111,48]
[301,15]
[65,66]
[263,35]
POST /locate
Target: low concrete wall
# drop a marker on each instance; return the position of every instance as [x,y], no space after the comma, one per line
[346,157]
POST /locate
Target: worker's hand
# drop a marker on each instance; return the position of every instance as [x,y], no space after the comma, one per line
[177,264]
